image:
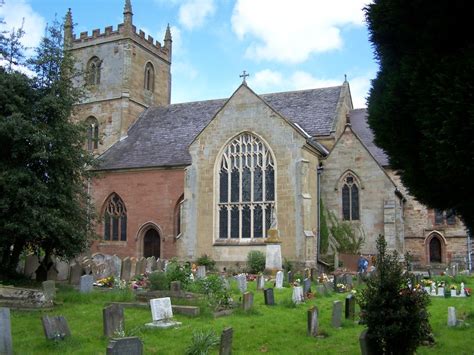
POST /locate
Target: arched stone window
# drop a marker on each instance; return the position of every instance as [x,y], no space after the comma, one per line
[246,189]
[350,198]
[115,219]
[92,133]
[93,71]
[149,82]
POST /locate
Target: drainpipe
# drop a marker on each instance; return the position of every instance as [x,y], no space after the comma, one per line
[319,171]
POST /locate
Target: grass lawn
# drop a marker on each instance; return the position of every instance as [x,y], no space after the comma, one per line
[279,329]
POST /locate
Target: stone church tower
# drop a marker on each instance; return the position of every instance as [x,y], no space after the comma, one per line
[123,73]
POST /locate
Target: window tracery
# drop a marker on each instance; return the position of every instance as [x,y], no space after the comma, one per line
[115,219]
[93,71]
[149,82]
[350,198]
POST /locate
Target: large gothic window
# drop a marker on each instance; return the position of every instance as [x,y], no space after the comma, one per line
[93,71]
[149,77]
[246,192]
[350,199]
[92,134]
[115,219]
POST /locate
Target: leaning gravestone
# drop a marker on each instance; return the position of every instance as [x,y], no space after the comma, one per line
[141,266]
[269,297]
[452,321]
[247,301]
[125,346]
[126,269]
[49,290]
[75,274]
[117,269]
[113,320]
[87,282]
[279,279]
[350,307]
[63,270]
[162,313]
[336,314]
[226,341]
[297,296]
[150,265]
[6,344]
[313,322]
[55,327]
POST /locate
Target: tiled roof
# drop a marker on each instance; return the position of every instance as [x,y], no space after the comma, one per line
[161,135]
[361,127]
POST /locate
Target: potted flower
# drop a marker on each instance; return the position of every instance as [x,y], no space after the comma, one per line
[341,288]
[427,285]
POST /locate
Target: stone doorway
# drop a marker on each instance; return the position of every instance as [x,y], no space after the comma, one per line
[435,250]
[151,243]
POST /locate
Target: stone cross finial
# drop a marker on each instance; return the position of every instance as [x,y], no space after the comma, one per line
[244,76]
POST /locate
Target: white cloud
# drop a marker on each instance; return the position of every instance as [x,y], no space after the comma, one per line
[301,80]
[360,86]
[291,31]
[13,13]
[184,70]
[266,79]
[193,13]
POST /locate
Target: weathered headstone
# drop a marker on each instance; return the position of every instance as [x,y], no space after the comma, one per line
[113,320]
[452,321]
[86,285]
[336,314]
[269,296]
[329,287]
[162,313]
[260,282]
[49,290]
[350,307]
[320,290]
[125,346]
[31,264]
[242,282]
[313,322]
[52,273]
[126,269]
[141,266]
[6,344]
[175,286]
[75,274]
[225,347]
[55,327]
[348,281]
[297,296]
[279,279]
[117,269]
[247,301]
[290,277]
[306,286]
[365,347]
[63,270]
[201,271]
[150,264]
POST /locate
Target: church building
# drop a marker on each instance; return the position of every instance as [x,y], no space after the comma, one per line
[209,177]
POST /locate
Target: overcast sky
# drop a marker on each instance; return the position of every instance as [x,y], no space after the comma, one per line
[284,45]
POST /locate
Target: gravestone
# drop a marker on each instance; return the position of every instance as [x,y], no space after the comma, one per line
[31,264]
[314,274]
[87,282]
[55,327]
[225,347]
[201,272]
[117,266]
[126,269]
[113,320]
[242,282]
[336,314]
[313,322]
[150,264]
[125,346]
[279,279]
[348,281]
[320,290]
[162,313]
[306,286]
[75,274]
[297,296]
[269,296]
[160,265]
[63,270]
[247,301]
[452,321]
[52,273]
[329,287]
[290,277]
[350,307]
[49,290]
[175,286]
[365,347]
[260,282]
[141,266]
[6,344]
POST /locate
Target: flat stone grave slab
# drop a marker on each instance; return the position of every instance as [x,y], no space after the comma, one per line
[23,298]
[125,346]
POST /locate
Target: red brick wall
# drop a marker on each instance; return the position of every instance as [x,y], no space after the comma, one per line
[150,198]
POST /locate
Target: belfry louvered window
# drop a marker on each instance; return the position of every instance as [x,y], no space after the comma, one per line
[246,189]
[115,219]
[350,199]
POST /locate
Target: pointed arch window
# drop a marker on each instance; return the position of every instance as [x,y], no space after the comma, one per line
[92,133]
[149,77]
[350,199]
[115,219]
[93,71]
[246,192]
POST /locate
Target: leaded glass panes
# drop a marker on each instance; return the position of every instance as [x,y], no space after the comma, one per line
[350,199]
[346,209]
[246,175]
[354,202]
[115,219]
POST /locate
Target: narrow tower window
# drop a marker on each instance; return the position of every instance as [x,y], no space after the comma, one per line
[92,133]
[149,77]
[93,71]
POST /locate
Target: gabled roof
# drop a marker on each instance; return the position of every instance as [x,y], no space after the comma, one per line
[161,135]
[360,126]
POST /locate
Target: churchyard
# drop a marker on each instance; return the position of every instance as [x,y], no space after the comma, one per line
[288,314]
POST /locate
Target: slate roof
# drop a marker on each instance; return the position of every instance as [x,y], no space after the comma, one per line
[360,126]
[161,135]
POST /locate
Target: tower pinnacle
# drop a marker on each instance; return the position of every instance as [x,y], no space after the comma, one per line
[127,13]
[68,27]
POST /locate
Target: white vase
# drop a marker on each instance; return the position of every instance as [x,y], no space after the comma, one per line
[453,293]
[441,291]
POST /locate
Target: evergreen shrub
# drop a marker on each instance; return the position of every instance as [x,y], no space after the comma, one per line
[255,261]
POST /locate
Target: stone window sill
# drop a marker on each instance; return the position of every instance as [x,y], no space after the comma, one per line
[119,243]
[238,242]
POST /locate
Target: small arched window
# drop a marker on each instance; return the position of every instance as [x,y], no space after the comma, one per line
[149,83]
[93,71]
[115,219]
[92,133]
[178,215]
[350,199]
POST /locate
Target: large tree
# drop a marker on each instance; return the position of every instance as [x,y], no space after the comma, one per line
[44,206]
[421,104]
